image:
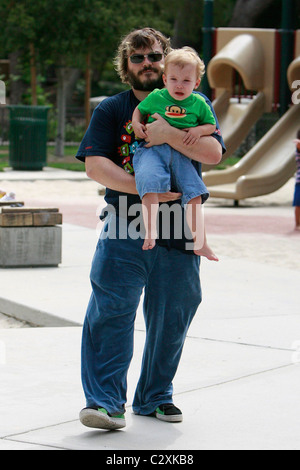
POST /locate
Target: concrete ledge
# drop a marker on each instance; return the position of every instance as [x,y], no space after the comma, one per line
[33,316]
[30,246]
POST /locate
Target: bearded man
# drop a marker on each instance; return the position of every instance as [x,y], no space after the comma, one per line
[121,270]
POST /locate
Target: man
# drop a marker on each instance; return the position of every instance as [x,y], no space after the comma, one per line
[121,270]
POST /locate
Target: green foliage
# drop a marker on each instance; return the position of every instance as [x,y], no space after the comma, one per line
[63,31]
[42,96]
[223,12]
[189,20]
[73,132]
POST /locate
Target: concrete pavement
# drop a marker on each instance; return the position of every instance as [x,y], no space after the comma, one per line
[238,382]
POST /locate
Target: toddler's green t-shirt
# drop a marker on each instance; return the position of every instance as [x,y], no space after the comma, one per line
[191,112]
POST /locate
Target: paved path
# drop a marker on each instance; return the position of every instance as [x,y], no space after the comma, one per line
[238,382]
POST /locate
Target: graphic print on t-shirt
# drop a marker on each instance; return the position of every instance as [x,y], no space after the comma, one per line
[175,111]
[127,150]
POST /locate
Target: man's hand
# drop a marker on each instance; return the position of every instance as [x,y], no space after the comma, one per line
[157,131]
[169,196]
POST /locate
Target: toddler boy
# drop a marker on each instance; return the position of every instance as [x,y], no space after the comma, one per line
[155,166]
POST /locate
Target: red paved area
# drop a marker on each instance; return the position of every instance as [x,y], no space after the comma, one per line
[84,214]
[75,213]
[234,224]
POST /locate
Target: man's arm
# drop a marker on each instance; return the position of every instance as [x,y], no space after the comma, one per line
[105,172]
[208,150]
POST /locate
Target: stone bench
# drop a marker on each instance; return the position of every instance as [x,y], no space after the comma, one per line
[30,237]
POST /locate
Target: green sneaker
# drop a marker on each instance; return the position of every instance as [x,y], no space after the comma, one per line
[99,418]
[168,412]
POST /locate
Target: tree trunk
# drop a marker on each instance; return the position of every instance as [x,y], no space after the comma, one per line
[188,24]
[33,80]
[87,90]
[17,86]
[75,75]
[62,76]
[246,12]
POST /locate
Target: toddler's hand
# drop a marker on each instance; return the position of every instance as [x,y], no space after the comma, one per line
[139,130]
[192,136]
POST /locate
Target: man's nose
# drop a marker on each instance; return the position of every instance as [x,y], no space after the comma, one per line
[146,60]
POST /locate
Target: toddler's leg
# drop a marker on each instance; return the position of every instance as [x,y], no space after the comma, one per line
[195,220]
[297,216]
[150,208]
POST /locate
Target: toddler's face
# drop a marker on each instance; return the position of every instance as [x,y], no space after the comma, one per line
[181,81]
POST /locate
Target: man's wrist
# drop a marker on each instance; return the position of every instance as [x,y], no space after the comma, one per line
[170,134]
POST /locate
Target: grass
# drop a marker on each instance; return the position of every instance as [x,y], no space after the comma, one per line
[230,161]
[3,157]
[68,162]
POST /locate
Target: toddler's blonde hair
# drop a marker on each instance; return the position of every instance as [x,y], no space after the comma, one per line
[185,56]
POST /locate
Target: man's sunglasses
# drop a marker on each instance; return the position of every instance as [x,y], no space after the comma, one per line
[152,57]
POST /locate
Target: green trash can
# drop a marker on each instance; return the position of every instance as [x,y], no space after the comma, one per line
[28,137]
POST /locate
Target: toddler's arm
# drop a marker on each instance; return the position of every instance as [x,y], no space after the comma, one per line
[193,134]
[297,142]
[138,127]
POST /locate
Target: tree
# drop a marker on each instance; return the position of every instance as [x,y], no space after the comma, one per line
[87,38]
[70,34]
[246,12]
[188,24]
[19,34]
[189,21]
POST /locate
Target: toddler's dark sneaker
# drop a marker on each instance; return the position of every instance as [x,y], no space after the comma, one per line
[99,418]
[168,412]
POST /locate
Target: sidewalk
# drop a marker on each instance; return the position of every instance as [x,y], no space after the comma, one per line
[47,174]
[238,380]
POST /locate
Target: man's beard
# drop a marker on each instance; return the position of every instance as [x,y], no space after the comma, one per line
[146,85]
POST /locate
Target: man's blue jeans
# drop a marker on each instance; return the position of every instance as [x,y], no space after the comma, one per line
[120,271]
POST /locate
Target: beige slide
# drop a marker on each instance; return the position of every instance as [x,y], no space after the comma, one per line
[244,55]
[268,165]
[237,117]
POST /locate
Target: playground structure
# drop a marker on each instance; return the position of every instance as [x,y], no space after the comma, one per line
[245,76]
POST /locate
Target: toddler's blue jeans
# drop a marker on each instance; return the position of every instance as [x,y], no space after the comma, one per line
[172,293]
[160,167]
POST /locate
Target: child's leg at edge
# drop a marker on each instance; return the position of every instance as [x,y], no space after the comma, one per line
[150,208]
[297,216]
[195,220]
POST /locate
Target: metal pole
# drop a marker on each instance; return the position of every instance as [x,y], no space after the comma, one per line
[287,51]
[208,31]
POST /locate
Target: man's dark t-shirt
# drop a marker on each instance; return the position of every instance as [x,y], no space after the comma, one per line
[110,135]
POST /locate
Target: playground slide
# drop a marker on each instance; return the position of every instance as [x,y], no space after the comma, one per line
[242,55]
[237,117]
[265,169]
[270,163]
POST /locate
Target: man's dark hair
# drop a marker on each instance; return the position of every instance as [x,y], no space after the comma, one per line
[138,39]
